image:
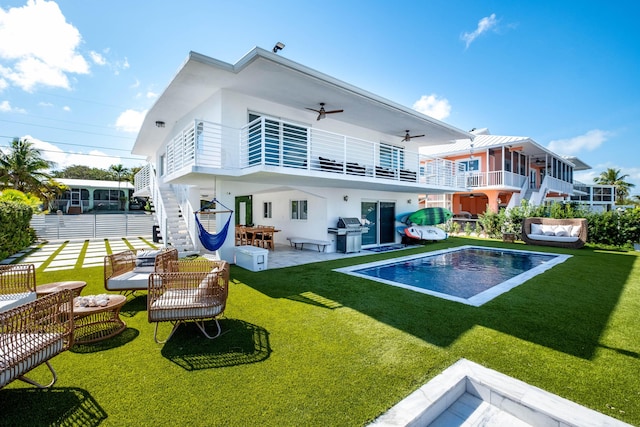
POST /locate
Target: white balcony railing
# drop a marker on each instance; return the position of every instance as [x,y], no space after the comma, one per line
[494,179]
[273,143]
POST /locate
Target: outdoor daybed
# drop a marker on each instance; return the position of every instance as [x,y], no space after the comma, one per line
[564,233]
[129,270]
[33,333]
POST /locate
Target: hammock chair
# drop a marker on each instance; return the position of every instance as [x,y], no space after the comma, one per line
[213,242]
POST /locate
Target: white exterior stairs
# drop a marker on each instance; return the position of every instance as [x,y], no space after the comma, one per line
[176,227]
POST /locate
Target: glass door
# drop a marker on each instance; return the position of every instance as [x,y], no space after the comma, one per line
[369,218]
[380,217]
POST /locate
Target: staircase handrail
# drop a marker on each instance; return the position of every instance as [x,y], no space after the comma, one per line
[161,215]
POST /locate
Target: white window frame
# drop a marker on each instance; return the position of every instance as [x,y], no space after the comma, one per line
[299,210]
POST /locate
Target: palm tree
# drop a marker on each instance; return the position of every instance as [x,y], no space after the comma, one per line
[612,177]
[119,171]
[23,168]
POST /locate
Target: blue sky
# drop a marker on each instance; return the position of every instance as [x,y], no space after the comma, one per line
[78,76]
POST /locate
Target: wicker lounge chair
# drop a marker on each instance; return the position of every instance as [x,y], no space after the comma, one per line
[129,271]
[33,333]
[563,233]
[191,291]
[17,285]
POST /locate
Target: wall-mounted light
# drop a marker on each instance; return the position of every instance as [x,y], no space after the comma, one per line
[408,201]
[346,198]
[278,46]
[159,124]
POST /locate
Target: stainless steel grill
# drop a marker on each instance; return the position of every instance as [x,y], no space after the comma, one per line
[349,234]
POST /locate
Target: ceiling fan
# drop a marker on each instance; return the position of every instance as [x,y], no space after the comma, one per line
[322,112]
[408,137]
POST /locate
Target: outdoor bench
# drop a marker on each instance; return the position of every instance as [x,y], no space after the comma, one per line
[321,244]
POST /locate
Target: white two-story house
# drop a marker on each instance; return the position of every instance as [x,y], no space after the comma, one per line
[285,145]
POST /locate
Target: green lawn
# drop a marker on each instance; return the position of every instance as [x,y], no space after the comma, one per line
[309,346]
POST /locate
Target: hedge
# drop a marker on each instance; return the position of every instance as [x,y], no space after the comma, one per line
[15,233]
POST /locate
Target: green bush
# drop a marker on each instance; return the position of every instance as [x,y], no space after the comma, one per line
[16,233]
[616,228]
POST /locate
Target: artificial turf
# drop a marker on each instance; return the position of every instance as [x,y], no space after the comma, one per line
[309,346]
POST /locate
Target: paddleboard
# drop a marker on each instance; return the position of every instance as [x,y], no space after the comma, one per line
[400,230]
[425,232]
[429,216]
[403,217]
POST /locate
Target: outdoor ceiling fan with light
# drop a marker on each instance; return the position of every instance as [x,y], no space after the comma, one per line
[322,113]
[408,137]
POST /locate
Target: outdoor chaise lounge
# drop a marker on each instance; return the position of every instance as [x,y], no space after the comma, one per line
[17,285]
[129,271]
[564,233]
[33,333]
[190,291]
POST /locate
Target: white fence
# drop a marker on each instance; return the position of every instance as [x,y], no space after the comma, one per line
[87,226]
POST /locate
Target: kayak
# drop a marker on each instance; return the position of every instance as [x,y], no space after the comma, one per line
[425,232]
[403,217]
[429,216]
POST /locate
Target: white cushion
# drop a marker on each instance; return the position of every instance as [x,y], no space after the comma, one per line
[552,238]
[9,301]
[575,231]
[536,229]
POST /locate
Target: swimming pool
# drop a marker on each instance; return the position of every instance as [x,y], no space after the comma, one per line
[471,275]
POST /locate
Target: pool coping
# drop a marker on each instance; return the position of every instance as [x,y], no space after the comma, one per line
[527,403]
[476,300]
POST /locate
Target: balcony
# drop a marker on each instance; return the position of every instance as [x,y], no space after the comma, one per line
[500,179]
[272,145]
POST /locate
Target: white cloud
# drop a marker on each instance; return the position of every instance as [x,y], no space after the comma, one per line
[97,58]
[587,142]
[66,108]
[152,95]
[484,25]
[130,120]
[38,46]
[51,152]
[432,105]
[5,107]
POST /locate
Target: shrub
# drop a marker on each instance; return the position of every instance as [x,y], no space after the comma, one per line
[16,233]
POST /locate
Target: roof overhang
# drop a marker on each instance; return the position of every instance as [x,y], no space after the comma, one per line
[269,76]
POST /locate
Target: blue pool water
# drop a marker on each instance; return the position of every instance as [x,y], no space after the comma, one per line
[468,274]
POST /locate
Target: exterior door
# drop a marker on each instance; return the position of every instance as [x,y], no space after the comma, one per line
[380,217]
[244,210]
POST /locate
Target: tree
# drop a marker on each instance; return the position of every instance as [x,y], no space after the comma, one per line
[612,177]
[23,168]
[119,171]
[84,172]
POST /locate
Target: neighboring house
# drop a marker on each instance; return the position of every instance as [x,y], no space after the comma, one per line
[85,195]
[254,135]
[596,197]
[500,171]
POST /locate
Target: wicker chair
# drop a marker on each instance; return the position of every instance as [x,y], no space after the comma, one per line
[33,333]
[17,285]
[128,272]
[570,243]
[191,291]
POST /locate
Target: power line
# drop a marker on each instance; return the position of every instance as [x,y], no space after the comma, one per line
[86,154]
[68,130]
[69,143]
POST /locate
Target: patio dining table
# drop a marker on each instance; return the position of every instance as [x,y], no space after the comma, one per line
[256,233]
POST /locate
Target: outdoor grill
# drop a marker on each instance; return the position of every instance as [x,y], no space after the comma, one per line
[349,234]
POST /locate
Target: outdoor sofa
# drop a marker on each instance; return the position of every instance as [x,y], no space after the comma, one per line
[564,233]
[129,271]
